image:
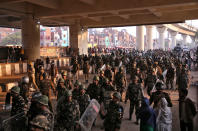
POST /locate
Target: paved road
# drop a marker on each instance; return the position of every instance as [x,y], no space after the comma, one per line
[129,125]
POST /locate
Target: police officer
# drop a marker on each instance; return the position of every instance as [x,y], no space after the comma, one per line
[94,89]
[150,81]
[67,82]
[86,71]
[24,91]
[61,88]
[33,108]
[133,70]
[83,99]
[42,109]
[76,91]
[135,95]
[183,80]
[75,69]
[18,103]
[114,115]
[101,78]
[68,113]
[170,76]
[108,73]
[120,81]
[39,123]
[18,107]
[45,87]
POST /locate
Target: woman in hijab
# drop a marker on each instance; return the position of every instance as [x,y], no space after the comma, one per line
[164,117]
[147,117]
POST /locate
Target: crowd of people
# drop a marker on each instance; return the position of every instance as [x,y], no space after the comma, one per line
[143,78]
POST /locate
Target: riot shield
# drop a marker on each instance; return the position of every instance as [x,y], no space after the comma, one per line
[89,116]
[16,122]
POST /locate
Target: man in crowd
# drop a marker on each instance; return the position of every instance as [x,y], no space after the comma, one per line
[135,95]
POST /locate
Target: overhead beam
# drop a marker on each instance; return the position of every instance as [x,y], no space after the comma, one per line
[144,19]
[90,2]
[10,1]
[53,4]
[107,6]
[156,13]
[179,30]
[6,23]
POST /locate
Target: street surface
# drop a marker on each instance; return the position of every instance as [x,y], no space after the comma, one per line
[130,125]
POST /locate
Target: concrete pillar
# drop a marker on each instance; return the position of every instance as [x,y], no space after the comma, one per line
[140,37]
[193,42]
[149,39]
[173,38]
[83,41]
[31,38]
[78,39]
[161,30]
[184,39]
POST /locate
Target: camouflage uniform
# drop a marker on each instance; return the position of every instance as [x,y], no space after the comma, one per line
[101,78]
[114,115]
[108,73]
[75,67]
[135,95]
[76,91]
[45,88]
[107,91]
[44,110]
[18,107]
[33,108]
[120,81]
[61,88]
[41,123]
[94,90]
[24,91]
[150,82]
[83,100]
[68,114]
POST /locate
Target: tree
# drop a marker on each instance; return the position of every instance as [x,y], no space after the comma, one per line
[12,39]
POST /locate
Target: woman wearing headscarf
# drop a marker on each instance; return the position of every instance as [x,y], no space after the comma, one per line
[147,117]
[164,117]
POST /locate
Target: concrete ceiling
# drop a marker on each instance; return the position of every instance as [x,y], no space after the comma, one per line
[97,13]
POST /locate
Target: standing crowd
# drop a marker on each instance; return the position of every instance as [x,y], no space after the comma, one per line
[142,78]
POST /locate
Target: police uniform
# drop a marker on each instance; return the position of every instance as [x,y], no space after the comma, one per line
[135,95]
[68,113]
[108,73]
[61,89]
[76,91]
[120,81]
[40,123]
[83,100]
[114,115]
[150,82]
[107,91]
[18,103]
[43,111]
[94,90]
[19,108]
